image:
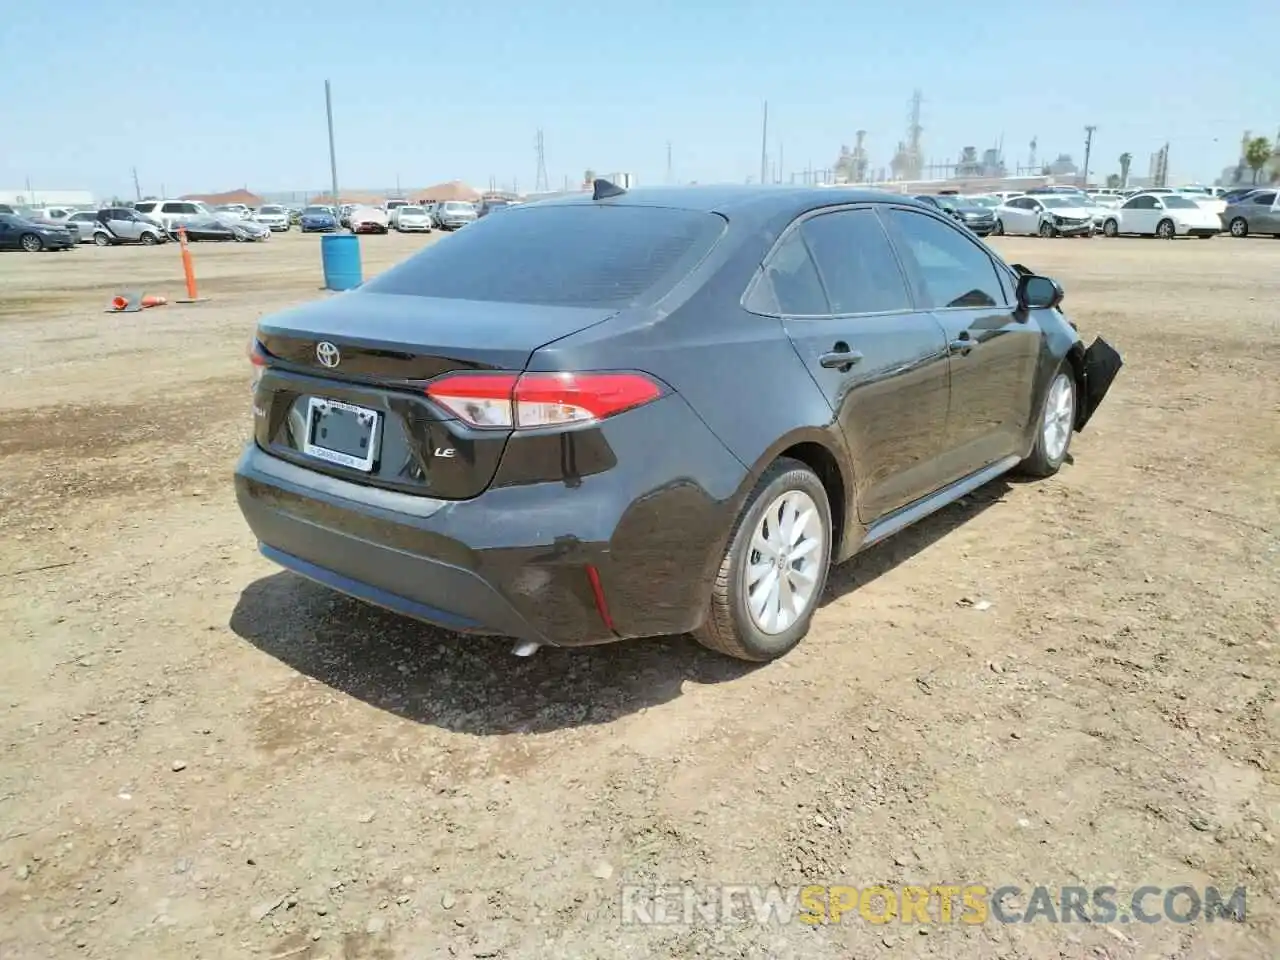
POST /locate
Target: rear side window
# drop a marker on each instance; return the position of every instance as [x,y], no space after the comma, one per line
[953,271]
[575,255]
[856,262]
[789,285]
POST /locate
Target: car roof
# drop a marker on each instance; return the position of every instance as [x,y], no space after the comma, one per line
[735,200]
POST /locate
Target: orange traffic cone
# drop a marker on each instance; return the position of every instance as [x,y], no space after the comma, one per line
[133,302]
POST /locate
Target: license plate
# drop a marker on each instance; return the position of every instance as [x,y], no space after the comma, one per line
[342,433]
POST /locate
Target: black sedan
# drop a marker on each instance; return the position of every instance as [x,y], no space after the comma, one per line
[981,220]
[632,414]
[19,233]
[208,228]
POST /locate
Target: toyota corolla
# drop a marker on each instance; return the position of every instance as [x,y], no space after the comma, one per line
[653,412]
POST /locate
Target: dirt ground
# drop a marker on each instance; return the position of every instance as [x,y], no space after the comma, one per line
[1070,682]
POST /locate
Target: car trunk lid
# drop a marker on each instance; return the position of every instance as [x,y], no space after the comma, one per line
[331,364]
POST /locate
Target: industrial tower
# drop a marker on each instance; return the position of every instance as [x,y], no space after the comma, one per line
[540,184]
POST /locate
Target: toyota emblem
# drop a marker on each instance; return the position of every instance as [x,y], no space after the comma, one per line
[327,353]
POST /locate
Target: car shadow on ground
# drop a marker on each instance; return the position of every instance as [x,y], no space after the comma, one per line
[475,685]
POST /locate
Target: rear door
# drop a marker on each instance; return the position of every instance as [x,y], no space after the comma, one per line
[879,360]
[1264,216]
[993,347]
[1140,214]
[1020,216]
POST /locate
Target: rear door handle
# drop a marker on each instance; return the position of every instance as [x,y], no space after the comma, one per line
[962,344]
[840,357]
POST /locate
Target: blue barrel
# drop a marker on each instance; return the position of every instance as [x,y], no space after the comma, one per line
[340,255]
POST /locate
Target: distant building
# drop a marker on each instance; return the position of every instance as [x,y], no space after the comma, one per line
[231,196]
[34,198]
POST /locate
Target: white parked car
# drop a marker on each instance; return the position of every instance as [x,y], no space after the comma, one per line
[173,213]
[411,218]
[1164,215]
[1045,215]
[274,217]
[1204,198]
[238,210]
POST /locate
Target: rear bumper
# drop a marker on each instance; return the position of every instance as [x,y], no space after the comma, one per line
[518,559]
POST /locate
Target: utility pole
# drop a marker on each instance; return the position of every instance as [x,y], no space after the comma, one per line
[1088,149]
[669,179]
[333,156]
[764,146]
[136,188]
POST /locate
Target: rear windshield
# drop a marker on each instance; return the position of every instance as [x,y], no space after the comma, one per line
[576,255]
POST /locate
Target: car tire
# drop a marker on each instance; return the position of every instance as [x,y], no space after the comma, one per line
[998,229]
[1111,229]
[1054,425]
[791,490]
[1047,230]
[101,240]
[1165,230]
[149,239]
[31,243]
[1239,227]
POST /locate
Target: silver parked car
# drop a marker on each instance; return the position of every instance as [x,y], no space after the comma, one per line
[85,221]
[1257,212]
[453,214]
[122,225]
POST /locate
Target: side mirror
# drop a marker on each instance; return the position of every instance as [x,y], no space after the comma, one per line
[1038,293]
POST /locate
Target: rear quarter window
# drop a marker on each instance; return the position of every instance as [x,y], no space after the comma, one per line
[573,255]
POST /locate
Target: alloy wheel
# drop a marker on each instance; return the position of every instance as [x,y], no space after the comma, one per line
[1059,411]
[783,562]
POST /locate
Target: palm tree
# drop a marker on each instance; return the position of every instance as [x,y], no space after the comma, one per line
[1256,154]
[1125,160]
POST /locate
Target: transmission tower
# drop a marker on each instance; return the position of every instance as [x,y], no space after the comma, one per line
[540,184]
[915,158]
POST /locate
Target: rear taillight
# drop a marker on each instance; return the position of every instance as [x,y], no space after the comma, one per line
[257,357]
[527,400]
[257,354]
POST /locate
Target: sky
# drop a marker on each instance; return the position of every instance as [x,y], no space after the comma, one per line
[203,96]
